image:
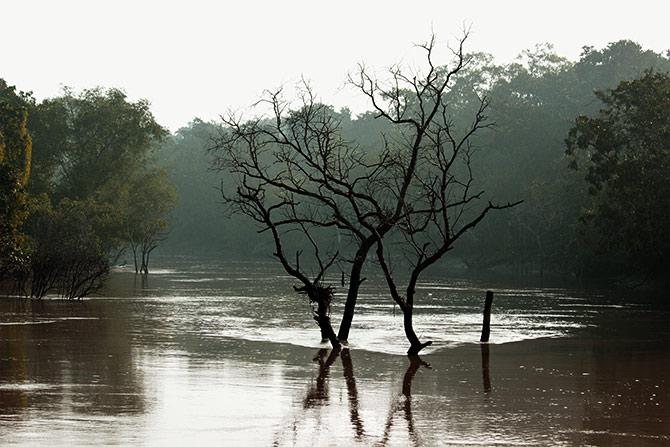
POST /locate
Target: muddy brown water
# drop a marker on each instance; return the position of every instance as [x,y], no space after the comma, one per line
[227,355]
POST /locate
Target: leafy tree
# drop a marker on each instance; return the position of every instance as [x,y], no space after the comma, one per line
[91,145]
[48,124]
[534,102]
[625,152]
[68,257]
[15,161]
[90,139]
[92,188]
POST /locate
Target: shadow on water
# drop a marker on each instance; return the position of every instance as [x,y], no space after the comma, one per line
[141,285]
[179,358]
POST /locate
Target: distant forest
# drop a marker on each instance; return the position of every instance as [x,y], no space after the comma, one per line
[584,144]
[534,103]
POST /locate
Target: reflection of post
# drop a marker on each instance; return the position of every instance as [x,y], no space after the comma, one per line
[486,327]
[352,393]
[486,378]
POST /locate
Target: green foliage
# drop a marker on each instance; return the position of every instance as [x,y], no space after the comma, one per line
[91,180]
[625,151]
[15,160]
[86,140]
[533,103]
[68,257]
[93,147]
[150,198]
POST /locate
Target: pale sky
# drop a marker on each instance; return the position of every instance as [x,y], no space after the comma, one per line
[201,58]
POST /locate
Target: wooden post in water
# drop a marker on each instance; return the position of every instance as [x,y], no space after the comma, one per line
[486,327]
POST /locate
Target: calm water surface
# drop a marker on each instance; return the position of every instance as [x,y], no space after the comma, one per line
[228,355]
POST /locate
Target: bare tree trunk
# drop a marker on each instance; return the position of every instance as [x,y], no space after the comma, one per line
[355,282]
[327,332]
[134,248]
[143,267]
[415,344]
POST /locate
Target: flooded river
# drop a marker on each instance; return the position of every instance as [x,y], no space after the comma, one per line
[228,355]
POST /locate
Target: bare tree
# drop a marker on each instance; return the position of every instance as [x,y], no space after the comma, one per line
[296,176]
[441,206]
[294,172]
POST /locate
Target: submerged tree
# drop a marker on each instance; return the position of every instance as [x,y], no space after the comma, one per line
[442,206]
[279,167]
[297,176]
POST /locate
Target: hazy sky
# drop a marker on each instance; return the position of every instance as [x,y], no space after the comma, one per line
[200,58]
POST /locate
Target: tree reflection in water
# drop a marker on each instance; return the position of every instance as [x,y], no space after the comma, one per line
[352,393]
[404,402]
[317,396]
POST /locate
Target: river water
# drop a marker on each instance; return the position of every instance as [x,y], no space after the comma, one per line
[227,354]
